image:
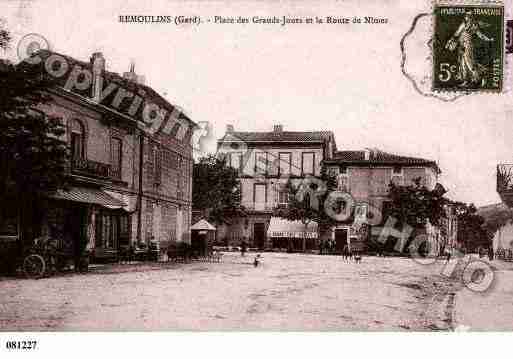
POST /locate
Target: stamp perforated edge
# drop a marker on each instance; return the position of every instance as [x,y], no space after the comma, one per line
[506,61]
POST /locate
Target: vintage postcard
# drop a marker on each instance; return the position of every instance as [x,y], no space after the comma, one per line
[254,166]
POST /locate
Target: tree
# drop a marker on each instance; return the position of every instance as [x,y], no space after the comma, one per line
[33,155]
[215,188]
[5,37]
[472,231]
[415,205]
[496,217]
[306,202]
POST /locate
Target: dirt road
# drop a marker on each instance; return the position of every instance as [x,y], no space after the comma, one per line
[286,292]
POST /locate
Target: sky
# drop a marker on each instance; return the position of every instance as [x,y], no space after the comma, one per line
[343,78]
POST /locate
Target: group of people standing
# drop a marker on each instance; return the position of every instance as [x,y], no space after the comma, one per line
[327,246]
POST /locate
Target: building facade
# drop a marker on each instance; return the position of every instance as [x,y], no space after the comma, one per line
[266,161]
[366,176]
[128,186]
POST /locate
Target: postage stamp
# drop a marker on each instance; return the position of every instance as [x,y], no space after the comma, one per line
[509,37]
[468,51]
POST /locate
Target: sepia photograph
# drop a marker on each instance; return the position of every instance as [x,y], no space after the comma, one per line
[255,168]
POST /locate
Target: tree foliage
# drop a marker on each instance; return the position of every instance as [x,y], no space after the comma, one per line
[472,231]
[496,217]
[415,204]
[33,155]
[5,37]
[215,188]
[307,199]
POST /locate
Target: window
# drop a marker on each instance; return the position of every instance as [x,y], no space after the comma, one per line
[283,198]
[173,160]
[77,140]
[179,186]
[236,160]
[285,163]
[397,170]
[111,229]
[157,172]
[385,211]
[116,155]
[333,171]
[259,196]
[307,163]
[361,211]
[342,183]
[260,163]
[124,230]
[343,170]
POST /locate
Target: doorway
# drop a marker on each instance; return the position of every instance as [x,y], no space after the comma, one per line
[259,235]
[75,229]
[340,239]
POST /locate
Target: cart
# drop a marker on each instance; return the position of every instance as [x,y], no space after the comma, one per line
[44,258]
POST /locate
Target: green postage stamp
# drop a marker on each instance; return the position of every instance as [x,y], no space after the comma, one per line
[468,47]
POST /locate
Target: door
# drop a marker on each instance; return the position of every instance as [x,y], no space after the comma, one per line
[259,235]
[76,230]
[340,239]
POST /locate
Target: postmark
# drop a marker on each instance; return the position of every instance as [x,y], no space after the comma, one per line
[468,48]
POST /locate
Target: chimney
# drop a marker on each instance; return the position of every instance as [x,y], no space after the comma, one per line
[229,128]
[130,75]
[98,67]
[366,154]
[278,128]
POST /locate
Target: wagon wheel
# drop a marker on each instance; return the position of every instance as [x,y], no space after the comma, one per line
[34,266]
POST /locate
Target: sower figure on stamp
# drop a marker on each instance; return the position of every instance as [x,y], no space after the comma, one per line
[468,68]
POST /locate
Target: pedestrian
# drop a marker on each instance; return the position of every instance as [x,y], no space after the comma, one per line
[321,246]
[448,256]
[243,247]
[257,260]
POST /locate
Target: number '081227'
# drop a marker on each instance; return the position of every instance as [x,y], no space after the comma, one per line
[20,344]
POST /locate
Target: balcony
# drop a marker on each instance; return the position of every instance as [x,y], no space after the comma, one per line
[84,167]
[259,207]
[505,183]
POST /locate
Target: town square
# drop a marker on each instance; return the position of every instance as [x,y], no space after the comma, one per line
[286,292]
[264,167]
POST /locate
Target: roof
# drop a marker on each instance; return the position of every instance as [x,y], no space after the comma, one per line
[378,157]
[146,92]
[202,225]
[279,136]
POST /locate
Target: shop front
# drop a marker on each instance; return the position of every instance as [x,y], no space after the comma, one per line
[90,219]
[292,236]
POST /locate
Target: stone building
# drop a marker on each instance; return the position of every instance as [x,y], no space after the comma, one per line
[131,182]
[366,176]
[266,161]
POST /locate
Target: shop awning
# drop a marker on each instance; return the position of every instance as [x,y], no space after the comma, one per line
[202,225]
[88,195]
[129,201]
[282,228]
